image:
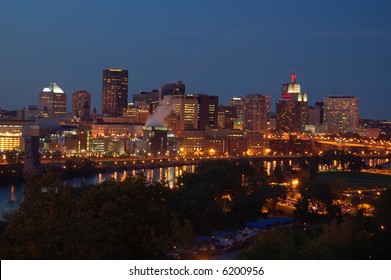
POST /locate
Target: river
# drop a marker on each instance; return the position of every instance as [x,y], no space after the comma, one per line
[11,194]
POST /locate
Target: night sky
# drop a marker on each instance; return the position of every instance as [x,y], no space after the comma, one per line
[217,47]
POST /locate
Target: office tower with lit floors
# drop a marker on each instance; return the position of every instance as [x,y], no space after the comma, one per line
[81,104]
[255,109]
[114,92]
[52,101]
[341,114]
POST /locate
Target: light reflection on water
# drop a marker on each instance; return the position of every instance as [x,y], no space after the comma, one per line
[11,194]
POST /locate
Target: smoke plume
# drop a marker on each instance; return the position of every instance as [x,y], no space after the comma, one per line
[162,112]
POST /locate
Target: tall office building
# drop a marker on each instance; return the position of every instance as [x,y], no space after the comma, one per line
[52,101]
[341,114]
[292,111]
[114,92]
[238,103]
[292,90]
[194,111]
[208,110]
[81,104]
[185,112]
[255,109]
[288,116]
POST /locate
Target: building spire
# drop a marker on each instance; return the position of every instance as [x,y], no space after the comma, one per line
[293,77]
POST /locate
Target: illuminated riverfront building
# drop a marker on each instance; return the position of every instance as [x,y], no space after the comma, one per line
[156,138]
[255,109]
[341,114]
[11,134]
[52,101]
[81,104]
[114,92]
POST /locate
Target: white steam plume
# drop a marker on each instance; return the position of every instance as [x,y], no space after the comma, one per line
[162,112]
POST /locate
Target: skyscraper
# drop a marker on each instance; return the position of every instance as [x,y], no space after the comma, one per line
[255,109]
[81,104]
[114,92]
[288,116]
[194,111]
[208,110]
[341,114]
[292,90]
[52,101]
[292,111]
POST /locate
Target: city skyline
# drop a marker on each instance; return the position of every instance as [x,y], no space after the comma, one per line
[224,50]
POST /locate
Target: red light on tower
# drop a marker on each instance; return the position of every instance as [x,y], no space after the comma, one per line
[293,77]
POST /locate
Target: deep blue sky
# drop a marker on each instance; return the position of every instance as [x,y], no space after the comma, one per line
[217,47]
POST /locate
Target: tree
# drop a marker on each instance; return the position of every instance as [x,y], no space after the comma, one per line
[113,220]
[318,196]
[274,194]
[277,175]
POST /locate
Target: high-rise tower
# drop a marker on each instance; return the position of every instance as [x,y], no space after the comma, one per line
[292,110]
[255,109]
[114,92]
[341,114]
[52,101]
[81,104]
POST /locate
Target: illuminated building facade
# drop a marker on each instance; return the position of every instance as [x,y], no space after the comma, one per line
[255,109]
[10,134]
[292,90]
[52,101]
[114,92]
[288,116]
[185,112]
[341,114]
[292,111]
[81,104]
[137,114]
[237,102]
[227,116]
[156,138]
[119,130]
[193,111]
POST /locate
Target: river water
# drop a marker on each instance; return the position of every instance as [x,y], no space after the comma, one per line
[11,194]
